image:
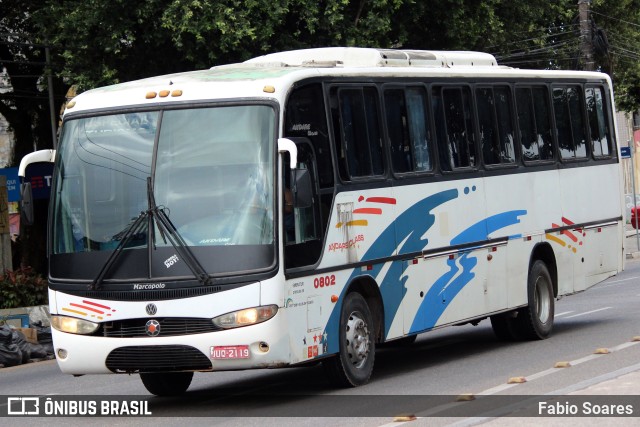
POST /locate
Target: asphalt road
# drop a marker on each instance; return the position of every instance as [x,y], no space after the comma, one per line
[421,379]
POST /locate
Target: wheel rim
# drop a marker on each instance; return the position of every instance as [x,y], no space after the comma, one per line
[542,300]
[358,344]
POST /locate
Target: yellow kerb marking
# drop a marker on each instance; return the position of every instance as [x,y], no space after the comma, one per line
[465,397]
[404,418]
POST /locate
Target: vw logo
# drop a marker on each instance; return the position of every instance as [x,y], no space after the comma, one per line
[153,328]
[151,309]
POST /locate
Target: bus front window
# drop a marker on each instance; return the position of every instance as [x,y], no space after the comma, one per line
[214,173]
[212,176]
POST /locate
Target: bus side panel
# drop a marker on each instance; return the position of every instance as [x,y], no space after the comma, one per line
[537,194]
[309,307]
[589,196]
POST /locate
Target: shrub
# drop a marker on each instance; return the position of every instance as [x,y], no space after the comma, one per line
[22,288]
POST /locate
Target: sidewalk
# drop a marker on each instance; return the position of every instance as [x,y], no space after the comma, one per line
[631,243]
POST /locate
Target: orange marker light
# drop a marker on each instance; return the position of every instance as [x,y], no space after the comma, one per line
[334,298]
[151,95]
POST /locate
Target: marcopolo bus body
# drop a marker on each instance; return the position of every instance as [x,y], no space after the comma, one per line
[306,206]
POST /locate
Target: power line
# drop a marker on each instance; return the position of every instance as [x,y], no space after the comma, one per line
[534,38]
[616,19]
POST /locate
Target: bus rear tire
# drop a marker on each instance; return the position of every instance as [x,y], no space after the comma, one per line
[166,383]
[353,364]
[535,322]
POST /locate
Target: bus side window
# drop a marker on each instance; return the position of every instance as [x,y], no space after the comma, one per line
[534,123]
[408,129]
[597,114]
[567,103]
[456,141]
[305,116]
[419,128]
[396,115]
[495,125]
[358,138]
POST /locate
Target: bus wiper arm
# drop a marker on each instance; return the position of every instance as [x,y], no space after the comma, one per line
[128,234]
[168,232]
[166,228]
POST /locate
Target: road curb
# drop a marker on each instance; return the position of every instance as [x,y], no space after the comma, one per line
[633,255]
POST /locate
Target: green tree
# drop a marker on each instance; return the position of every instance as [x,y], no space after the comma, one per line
[24,103]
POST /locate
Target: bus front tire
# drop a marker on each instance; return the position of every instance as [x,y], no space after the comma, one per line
[353,364]
[166,383]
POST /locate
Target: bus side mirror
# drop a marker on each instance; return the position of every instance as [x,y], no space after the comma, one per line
[302,190]
[26,207]
[26,193]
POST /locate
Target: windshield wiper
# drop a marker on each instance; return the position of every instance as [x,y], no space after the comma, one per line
[168,232]
[128,234]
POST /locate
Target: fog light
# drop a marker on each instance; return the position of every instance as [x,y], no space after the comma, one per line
[62,353]
[263,347]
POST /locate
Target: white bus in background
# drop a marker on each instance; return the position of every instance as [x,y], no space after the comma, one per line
[308,205]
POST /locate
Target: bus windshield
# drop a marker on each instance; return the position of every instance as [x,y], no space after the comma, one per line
[212,176]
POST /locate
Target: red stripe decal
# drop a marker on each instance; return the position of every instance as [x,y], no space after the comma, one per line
[374,211]
[96,304]
[387,200]
[87,308]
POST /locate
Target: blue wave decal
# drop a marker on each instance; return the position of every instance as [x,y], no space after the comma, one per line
[445,289]
[411,225]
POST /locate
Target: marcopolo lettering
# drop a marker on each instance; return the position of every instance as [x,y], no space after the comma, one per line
[148,286]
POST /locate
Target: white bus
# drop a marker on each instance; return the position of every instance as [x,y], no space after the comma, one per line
[307,206]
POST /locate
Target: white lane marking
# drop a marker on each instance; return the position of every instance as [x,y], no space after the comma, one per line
[588,312]
[546,372]
[502,387]
[619,281]
[563,313]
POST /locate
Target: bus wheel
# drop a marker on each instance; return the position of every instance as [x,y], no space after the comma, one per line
[353,365]
[166,383]
[536,320]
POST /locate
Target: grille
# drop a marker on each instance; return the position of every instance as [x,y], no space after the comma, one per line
[146,295]
[169,326]
[157,358]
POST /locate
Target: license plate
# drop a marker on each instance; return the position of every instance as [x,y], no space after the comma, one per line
[230,352]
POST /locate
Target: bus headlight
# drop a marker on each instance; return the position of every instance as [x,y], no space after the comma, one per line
[73,325]
[246,317]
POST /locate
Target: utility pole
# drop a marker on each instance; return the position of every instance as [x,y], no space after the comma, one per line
[52,113]
[586,40]
[5,240]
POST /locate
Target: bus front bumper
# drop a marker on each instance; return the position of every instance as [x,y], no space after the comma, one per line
[264,345]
